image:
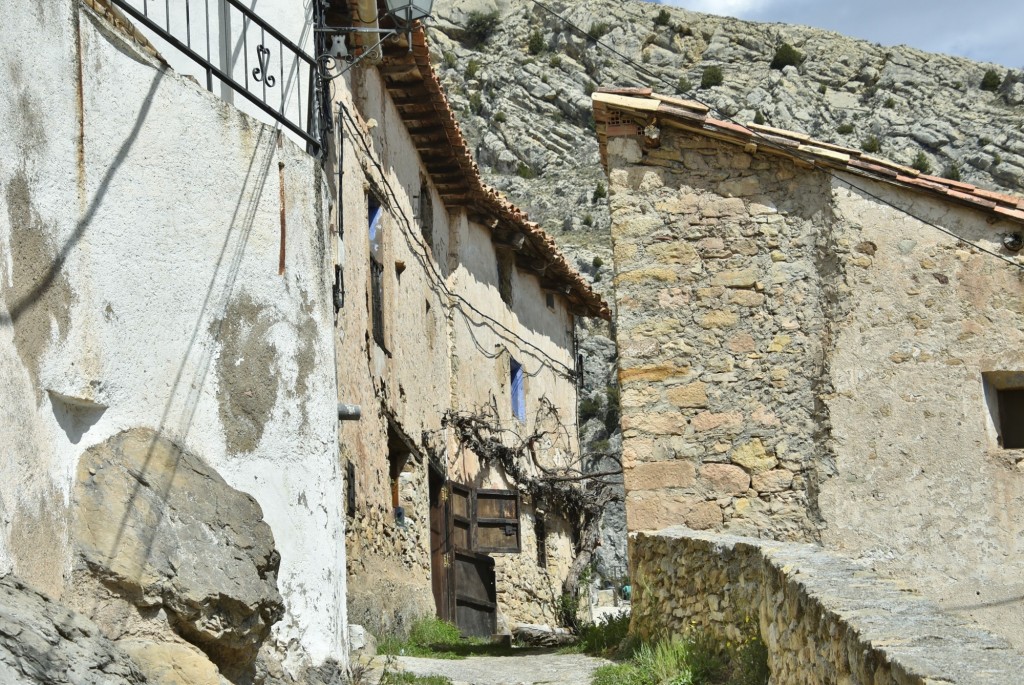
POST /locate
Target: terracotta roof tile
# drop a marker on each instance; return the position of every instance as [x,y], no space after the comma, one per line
[486,199]
[802,149]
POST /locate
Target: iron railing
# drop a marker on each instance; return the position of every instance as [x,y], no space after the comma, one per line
[237,48]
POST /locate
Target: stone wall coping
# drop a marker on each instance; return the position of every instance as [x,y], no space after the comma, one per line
[919,641]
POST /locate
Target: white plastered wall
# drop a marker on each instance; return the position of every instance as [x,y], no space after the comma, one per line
[148,213]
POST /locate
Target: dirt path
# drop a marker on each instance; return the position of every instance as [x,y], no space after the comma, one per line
[532,667]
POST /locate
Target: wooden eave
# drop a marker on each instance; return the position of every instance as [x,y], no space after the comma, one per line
[418,97]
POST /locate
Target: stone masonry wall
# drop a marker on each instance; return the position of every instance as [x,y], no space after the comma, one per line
[823,618]
[722,312]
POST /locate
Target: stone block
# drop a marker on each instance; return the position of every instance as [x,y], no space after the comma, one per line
[654,273]
[736,278]
[741,343]
[775,480]
[675,252]
[661,474]
[740,187]
[753,457]
[657,423]
[706,421]
[654,373]
[718,319]
[693,395]
[725,478]
[746,298]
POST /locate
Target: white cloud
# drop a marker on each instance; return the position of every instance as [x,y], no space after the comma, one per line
[731,8]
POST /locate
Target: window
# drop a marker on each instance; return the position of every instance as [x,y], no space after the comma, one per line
[541,533]
[550,300]
[518,394]
[1004,394]
[375,214]
[426,213]
[506,265]
[485,521]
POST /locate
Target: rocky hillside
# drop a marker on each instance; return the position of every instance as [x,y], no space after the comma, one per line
[522,83]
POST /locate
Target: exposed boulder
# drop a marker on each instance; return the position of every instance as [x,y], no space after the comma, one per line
[45,643]
[161,529]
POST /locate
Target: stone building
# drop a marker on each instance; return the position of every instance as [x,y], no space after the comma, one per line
[455,311]
[169,462]
[817,344]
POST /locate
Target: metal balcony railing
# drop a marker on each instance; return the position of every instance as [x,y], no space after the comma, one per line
[235,47]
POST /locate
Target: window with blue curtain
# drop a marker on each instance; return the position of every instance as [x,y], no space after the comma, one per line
[518,396]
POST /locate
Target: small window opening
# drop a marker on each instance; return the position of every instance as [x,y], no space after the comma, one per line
[506,265]
[398,456]
[1004,394]
[550,298]
[375,214]
[350,489]
[518,395]
[541,533]
[426,213]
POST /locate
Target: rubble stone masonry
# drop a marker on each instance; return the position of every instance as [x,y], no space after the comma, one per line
[721,314]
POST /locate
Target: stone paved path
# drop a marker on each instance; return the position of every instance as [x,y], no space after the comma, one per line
[532,667]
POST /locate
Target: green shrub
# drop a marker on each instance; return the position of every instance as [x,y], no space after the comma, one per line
[749,663]
[605,637]
[567,611]
[758,118]
[555,61]
[450,60]
[588,220]
[476,103]
[921,163]
[663,18]
[991,80]
[785,56]
[589,87]
[889,103]
[597,262]
[711,77]
[526,171]
[599,29]
[599,194]
[952,172]
[845,128]
[983,141]
[480,26]
[997,158]
[823,89]
[871,144]
[500,118]
[684,85]
[536,43]
[472,69]
[428,637]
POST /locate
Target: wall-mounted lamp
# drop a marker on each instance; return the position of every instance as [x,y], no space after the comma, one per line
[403,12]
[1013,242]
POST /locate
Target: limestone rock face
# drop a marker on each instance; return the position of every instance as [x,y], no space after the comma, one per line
[161,528]
[43,642]
[527,112]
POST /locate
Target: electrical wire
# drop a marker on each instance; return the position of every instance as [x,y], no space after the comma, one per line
[767,142]
[418,250]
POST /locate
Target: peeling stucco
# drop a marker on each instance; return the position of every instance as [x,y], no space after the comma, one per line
[37,294]
[247,372]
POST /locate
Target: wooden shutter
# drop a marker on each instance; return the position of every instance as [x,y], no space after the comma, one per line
[497,522]
[485,521]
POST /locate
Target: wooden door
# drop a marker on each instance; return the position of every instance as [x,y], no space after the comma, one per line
[441,548]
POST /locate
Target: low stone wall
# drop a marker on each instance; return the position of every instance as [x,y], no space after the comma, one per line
[824,619]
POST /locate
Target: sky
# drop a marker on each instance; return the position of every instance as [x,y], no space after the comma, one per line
[983,30]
